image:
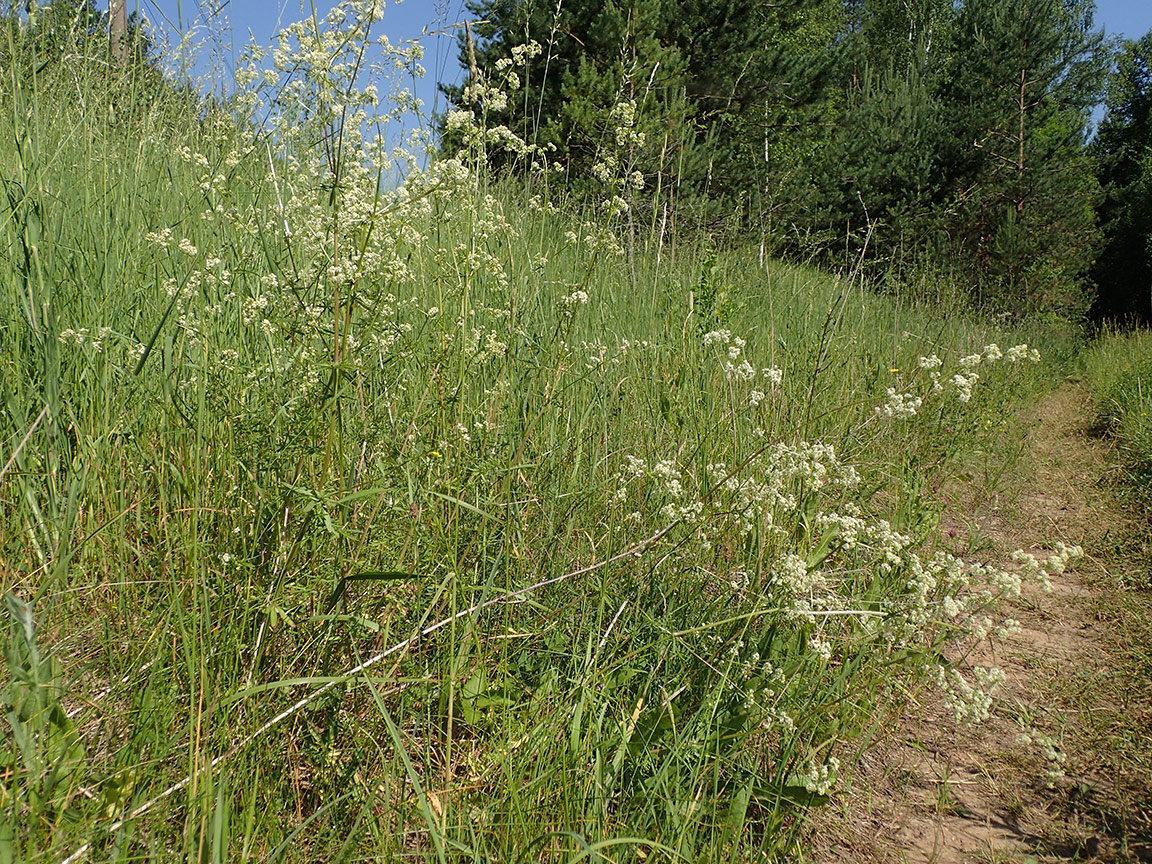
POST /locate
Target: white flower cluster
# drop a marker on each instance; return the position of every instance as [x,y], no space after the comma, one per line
[161,238]
[598,355]
[678,506]
[848,528]
[819,779]
[761,497]
[597,238]
[754,500]
[800,590]
[821,647]
[1053,755]
[733,364]
[907,404]
[760,683]
[85,338]
[970,703]
[1017,353]
[623,118]
[714,337]
[992,353]
[351,237]
[899,404]
[481,345]
[1039,569]
[615,162]
[492,97]
[935,589]
[930,362]
[964,382]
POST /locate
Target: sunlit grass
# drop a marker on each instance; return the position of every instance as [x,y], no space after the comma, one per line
[450,520]
[1120,377]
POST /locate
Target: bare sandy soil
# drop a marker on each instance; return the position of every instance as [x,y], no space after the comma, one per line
[1079,672]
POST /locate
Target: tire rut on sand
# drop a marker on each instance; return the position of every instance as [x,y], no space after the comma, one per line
[931,790]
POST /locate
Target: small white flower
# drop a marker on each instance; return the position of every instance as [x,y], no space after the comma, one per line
[930,362]
[821,646]
[722,337]
[744,371]
[161,238]
[964,384]
[899,404]
[602,172]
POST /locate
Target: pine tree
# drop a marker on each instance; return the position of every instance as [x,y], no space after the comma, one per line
[757,94]
[882,176]
[896,34]
[593,56]
[727,90]
[1023,79]
[1123,152]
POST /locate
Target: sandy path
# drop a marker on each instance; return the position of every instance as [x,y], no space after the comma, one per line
[932,791]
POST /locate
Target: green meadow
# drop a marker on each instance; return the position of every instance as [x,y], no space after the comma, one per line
[361,506]
[1119,373]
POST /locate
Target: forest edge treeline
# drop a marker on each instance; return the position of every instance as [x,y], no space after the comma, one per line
[939,140]
[936,141]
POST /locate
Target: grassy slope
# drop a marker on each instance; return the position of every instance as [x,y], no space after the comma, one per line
[1119,370]
[304,476]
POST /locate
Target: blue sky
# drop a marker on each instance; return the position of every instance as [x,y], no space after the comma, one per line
[1128,18]
[430,21]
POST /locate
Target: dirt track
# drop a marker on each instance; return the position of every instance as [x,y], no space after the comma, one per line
[1080,672]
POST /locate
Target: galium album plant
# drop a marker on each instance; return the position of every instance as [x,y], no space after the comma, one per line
[437,536]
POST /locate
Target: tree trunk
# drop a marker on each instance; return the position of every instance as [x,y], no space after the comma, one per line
[118,29]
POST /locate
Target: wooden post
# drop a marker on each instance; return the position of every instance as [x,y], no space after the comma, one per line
[118,29]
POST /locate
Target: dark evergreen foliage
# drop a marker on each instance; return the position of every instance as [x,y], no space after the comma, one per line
[1017,97]
[949,134]
[727,90]
[1123,152]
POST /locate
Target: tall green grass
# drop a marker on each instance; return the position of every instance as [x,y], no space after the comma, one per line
[1119,370]
[356,509]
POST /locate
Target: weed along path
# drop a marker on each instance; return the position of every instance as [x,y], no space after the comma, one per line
[1060,771]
